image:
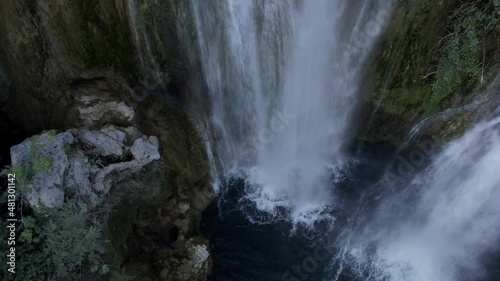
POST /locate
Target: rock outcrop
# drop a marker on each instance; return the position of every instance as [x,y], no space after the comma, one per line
[81,68]
[79,162]
[152,226]
[143,163]
[49,46]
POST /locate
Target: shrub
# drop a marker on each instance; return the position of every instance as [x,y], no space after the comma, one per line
[57,244]
[71,237]
[462,62]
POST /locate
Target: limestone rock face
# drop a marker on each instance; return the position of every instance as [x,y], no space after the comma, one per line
[50,46]
[409,60]
[42,161]
[93,109]
[79,162]
[145,149]
[78,177]
[152,221]
[105,142]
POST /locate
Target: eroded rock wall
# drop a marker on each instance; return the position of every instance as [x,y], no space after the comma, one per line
[97,86]
[411,58]
[48,46]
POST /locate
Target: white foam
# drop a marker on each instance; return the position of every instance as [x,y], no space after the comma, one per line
[451,221]
[284,79]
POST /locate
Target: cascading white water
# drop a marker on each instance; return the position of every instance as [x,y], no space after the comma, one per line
[439,227]
[283,80]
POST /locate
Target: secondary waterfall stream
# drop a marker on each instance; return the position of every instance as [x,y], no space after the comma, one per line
[283,80]
[442,225]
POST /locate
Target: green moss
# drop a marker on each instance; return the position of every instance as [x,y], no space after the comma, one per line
[461,62]
[430,59]
[181,145]
[134,194]
[406,52]
[167,46]
[104,36]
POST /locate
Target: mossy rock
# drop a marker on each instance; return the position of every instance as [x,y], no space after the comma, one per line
[47,44]
[408,56]
[183,149]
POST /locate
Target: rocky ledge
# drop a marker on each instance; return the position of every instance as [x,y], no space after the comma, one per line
[151,229]
[149,190]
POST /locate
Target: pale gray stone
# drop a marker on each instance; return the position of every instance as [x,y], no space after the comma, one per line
[43,160]
[94,109]
[106,142]
[145,150]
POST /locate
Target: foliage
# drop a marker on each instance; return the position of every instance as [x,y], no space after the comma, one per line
[462,62]
[42,164]
[38,164]
[31,232]
[71,239]
[58,244]
[425,67]
[52,136]
[31,263]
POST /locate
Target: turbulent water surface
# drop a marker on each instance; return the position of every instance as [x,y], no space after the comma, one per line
[296,201]
[442,224]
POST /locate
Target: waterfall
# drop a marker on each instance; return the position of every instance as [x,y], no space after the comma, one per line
[442,225]
[283,79]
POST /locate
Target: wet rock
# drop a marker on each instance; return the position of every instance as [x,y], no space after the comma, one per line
[139,271]
[183,207]
[132,134]
[202,196]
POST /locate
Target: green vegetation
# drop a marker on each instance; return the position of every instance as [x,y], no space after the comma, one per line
[433,56]
[463,60]
[43,164]
[458,58]
[39,163]
[52,244]
[57,244]
[52,136]
[71,239]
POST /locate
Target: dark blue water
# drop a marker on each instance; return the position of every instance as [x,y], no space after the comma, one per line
[245,251]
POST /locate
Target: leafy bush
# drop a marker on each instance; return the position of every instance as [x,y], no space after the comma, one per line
[71,237]
[462,62]
[57,244]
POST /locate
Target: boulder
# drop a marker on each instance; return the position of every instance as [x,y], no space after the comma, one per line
[77,178]
[96,109]
[42,161]
[146,149]
[152,211]
[106,142]
[77,162]
[197,264]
